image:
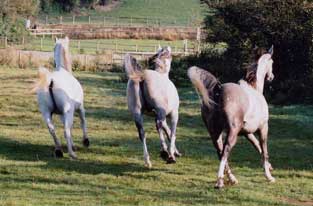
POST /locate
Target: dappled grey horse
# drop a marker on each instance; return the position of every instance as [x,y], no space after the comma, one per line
[59,92]
[236,108]
[152,91]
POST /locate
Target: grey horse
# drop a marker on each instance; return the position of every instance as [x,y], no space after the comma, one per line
[236,109]
[59,92]
[152,92]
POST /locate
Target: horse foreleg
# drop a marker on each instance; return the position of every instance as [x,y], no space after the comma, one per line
[68,122]
[167,131]
[163,153]
[58,148]
[174,121]
[266,164]
[230,141]
[83,125]
[142,137]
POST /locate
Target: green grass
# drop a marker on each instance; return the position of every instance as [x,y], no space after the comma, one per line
[165,12]
[111,171]
[90,46]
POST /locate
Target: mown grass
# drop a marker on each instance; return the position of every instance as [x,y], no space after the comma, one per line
[162,12]
[99,45]
[111,171]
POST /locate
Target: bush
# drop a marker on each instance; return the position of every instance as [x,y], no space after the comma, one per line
[288,25]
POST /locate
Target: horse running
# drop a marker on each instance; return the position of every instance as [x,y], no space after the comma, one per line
[149,90]
[236,109]
[59,92]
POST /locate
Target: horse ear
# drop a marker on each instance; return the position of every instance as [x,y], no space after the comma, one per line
[56,39]
[67,39]
[160,48]
[169,49]
[271,50]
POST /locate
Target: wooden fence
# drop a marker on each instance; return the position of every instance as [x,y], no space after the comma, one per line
[120,21]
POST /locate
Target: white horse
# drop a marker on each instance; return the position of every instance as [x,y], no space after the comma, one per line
[59,92]
[236,109]
[149,90]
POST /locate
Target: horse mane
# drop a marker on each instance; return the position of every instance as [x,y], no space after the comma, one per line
[251,76]
[67,60]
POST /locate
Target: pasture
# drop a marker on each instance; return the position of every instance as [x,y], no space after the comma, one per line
[111,171]
[186,12]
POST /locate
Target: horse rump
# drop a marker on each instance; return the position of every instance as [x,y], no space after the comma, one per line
[206,84]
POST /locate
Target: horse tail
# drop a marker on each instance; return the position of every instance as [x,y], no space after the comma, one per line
[43,81]
[207,85]
[133,70]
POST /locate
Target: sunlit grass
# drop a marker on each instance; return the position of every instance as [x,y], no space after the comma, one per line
[111,171]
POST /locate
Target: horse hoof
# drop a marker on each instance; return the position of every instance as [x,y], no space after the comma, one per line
[86,142]
[177,154]
[171,160]
[233,180]
[219,184]
[73,156]
[271,180]
[164,155]
[148,165]
[74,148]
[58,153]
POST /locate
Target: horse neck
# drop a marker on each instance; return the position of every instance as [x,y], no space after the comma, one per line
[260,82]
[62,59]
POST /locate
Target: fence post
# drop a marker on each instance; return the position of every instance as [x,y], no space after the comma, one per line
[147,21]
[23,42]
[46,19]
[41,44]
[115,46]
[104,20]
[185,46]
[5,42]
[97,46]
[78,46]
[19,58]
[73,19]
[61,20]
[89,19]
[131,21]
[136,47]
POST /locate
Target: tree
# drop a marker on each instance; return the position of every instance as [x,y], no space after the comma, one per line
[288,25]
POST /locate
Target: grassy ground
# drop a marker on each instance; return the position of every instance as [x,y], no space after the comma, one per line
[111,171]
[163,12]
[91,46]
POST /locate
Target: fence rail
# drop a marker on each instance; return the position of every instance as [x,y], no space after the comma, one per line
[113,52]
[120,21]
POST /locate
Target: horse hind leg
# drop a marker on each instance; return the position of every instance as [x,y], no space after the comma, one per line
[266,164]
[218,144]
[58,148]
[83,124]
[68,123]
[139,124]
[174,121]
[230,142]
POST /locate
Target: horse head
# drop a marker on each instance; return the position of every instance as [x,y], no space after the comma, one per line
[62,57]
[265,65]
[162,60]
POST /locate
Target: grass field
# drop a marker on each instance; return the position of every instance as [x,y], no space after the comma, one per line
[111,171]
[173,12]
[91,46]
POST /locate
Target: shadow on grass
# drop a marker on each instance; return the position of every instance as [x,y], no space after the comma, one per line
[22,151]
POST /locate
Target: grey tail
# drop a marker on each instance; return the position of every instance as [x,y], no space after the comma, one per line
[207,85]
[133,69]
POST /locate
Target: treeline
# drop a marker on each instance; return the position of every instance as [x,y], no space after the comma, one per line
[246,25]
[69,5]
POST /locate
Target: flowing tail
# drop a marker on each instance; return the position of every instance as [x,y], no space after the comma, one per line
[206,84]
[43,80]
[133,69]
